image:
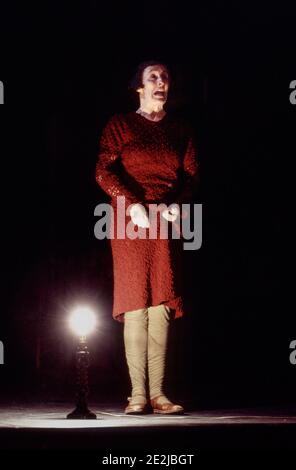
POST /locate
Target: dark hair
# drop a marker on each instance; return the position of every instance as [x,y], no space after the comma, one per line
[137,79]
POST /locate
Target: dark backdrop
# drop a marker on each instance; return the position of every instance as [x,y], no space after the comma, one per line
[65,70]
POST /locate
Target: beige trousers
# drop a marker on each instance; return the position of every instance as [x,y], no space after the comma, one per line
[145,340]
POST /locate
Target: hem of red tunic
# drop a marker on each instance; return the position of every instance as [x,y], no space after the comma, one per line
[176,305]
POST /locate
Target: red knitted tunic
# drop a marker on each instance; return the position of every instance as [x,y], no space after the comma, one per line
[147,162]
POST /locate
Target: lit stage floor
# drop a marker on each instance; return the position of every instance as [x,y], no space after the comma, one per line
[44,426]
[52,416]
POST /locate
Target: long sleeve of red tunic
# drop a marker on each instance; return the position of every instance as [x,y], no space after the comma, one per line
[147,162]
[109,170]
[190,174]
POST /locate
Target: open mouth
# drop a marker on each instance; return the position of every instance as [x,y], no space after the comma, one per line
[159,94]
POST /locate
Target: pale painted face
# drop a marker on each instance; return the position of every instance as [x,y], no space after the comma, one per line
[155,87]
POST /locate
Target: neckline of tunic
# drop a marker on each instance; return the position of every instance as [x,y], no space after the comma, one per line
[149,120]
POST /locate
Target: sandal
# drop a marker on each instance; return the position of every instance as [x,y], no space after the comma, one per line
[162,405]
[137,406]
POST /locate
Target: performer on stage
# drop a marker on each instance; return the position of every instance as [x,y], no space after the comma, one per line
[148,156]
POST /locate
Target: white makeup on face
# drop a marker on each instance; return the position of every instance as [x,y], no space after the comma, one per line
[153,94]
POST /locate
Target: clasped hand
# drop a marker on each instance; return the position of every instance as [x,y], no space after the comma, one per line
[139,215]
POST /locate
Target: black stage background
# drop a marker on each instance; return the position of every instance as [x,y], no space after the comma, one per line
[65,70]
